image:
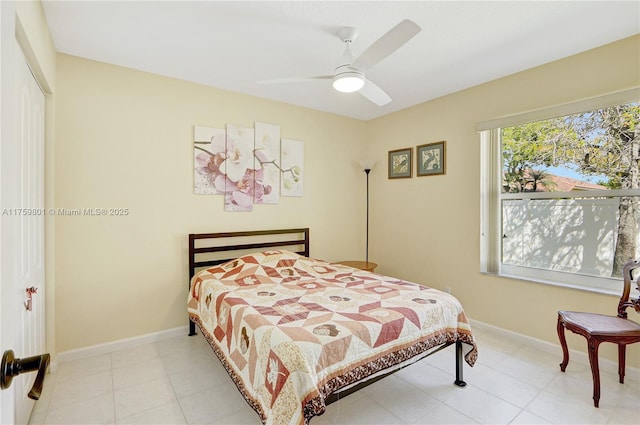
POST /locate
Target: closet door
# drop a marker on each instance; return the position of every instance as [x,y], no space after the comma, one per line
[22,234]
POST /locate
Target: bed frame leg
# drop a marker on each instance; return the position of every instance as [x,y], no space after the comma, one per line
[459,361]
[192,328]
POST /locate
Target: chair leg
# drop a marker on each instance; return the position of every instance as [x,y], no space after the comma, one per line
[595,370]
[622,349]
[563,343]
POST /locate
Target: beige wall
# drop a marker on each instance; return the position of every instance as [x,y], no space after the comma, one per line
[426,229]
[124,139]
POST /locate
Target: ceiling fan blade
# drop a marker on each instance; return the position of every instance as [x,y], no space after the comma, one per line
[374,94]
[395,38]
[296,79]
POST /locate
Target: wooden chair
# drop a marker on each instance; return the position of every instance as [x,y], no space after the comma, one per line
[597,328]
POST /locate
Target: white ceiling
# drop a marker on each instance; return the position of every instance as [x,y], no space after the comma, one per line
[233,45]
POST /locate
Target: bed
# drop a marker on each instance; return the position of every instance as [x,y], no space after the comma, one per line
[296,333]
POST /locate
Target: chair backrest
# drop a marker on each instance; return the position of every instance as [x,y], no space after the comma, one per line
[626,301]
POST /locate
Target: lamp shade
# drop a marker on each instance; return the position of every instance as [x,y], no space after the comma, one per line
[367,164]
[348,81]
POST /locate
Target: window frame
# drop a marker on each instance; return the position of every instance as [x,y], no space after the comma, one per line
[491,197]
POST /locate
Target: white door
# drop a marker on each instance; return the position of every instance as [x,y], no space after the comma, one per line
[22,235]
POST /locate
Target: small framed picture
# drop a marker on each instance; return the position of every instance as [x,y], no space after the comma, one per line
[400,163]
[431,159]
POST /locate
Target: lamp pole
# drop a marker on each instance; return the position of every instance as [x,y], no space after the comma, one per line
[367,170]
[367,166]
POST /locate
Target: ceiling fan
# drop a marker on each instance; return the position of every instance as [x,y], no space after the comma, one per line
[349,74]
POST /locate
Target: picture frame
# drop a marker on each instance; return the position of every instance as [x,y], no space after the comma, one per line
[400,163]
[431,159]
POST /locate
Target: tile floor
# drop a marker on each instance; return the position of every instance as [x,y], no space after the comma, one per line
[179,381]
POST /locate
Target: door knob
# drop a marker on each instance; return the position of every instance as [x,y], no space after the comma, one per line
[11,367]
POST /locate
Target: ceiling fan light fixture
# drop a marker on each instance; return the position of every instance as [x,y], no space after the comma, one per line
[348,81]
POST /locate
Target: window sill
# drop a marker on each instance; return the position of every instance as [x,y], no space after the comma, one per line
[594,288]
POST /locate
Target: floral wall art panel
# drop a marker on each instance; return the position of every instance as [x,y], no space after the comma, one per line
[238,169]
[267,163]
[292,160]
[208,151]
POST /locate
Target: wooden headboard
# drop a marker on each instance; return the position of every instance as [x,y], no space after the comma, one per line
[229,244]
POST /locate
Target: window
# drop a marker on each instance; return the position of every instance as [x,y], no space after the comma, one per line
[560,193]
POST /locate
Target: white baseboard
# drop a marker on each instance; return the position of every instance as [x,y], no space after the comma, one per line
[548,347]
[108,347]
[579,356]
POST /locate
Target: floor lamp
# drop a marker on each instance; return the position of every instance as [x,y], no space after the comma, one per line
[367,166]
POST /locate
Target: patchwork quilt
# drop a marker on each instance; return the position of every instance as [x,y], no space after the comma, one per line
[291,330]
